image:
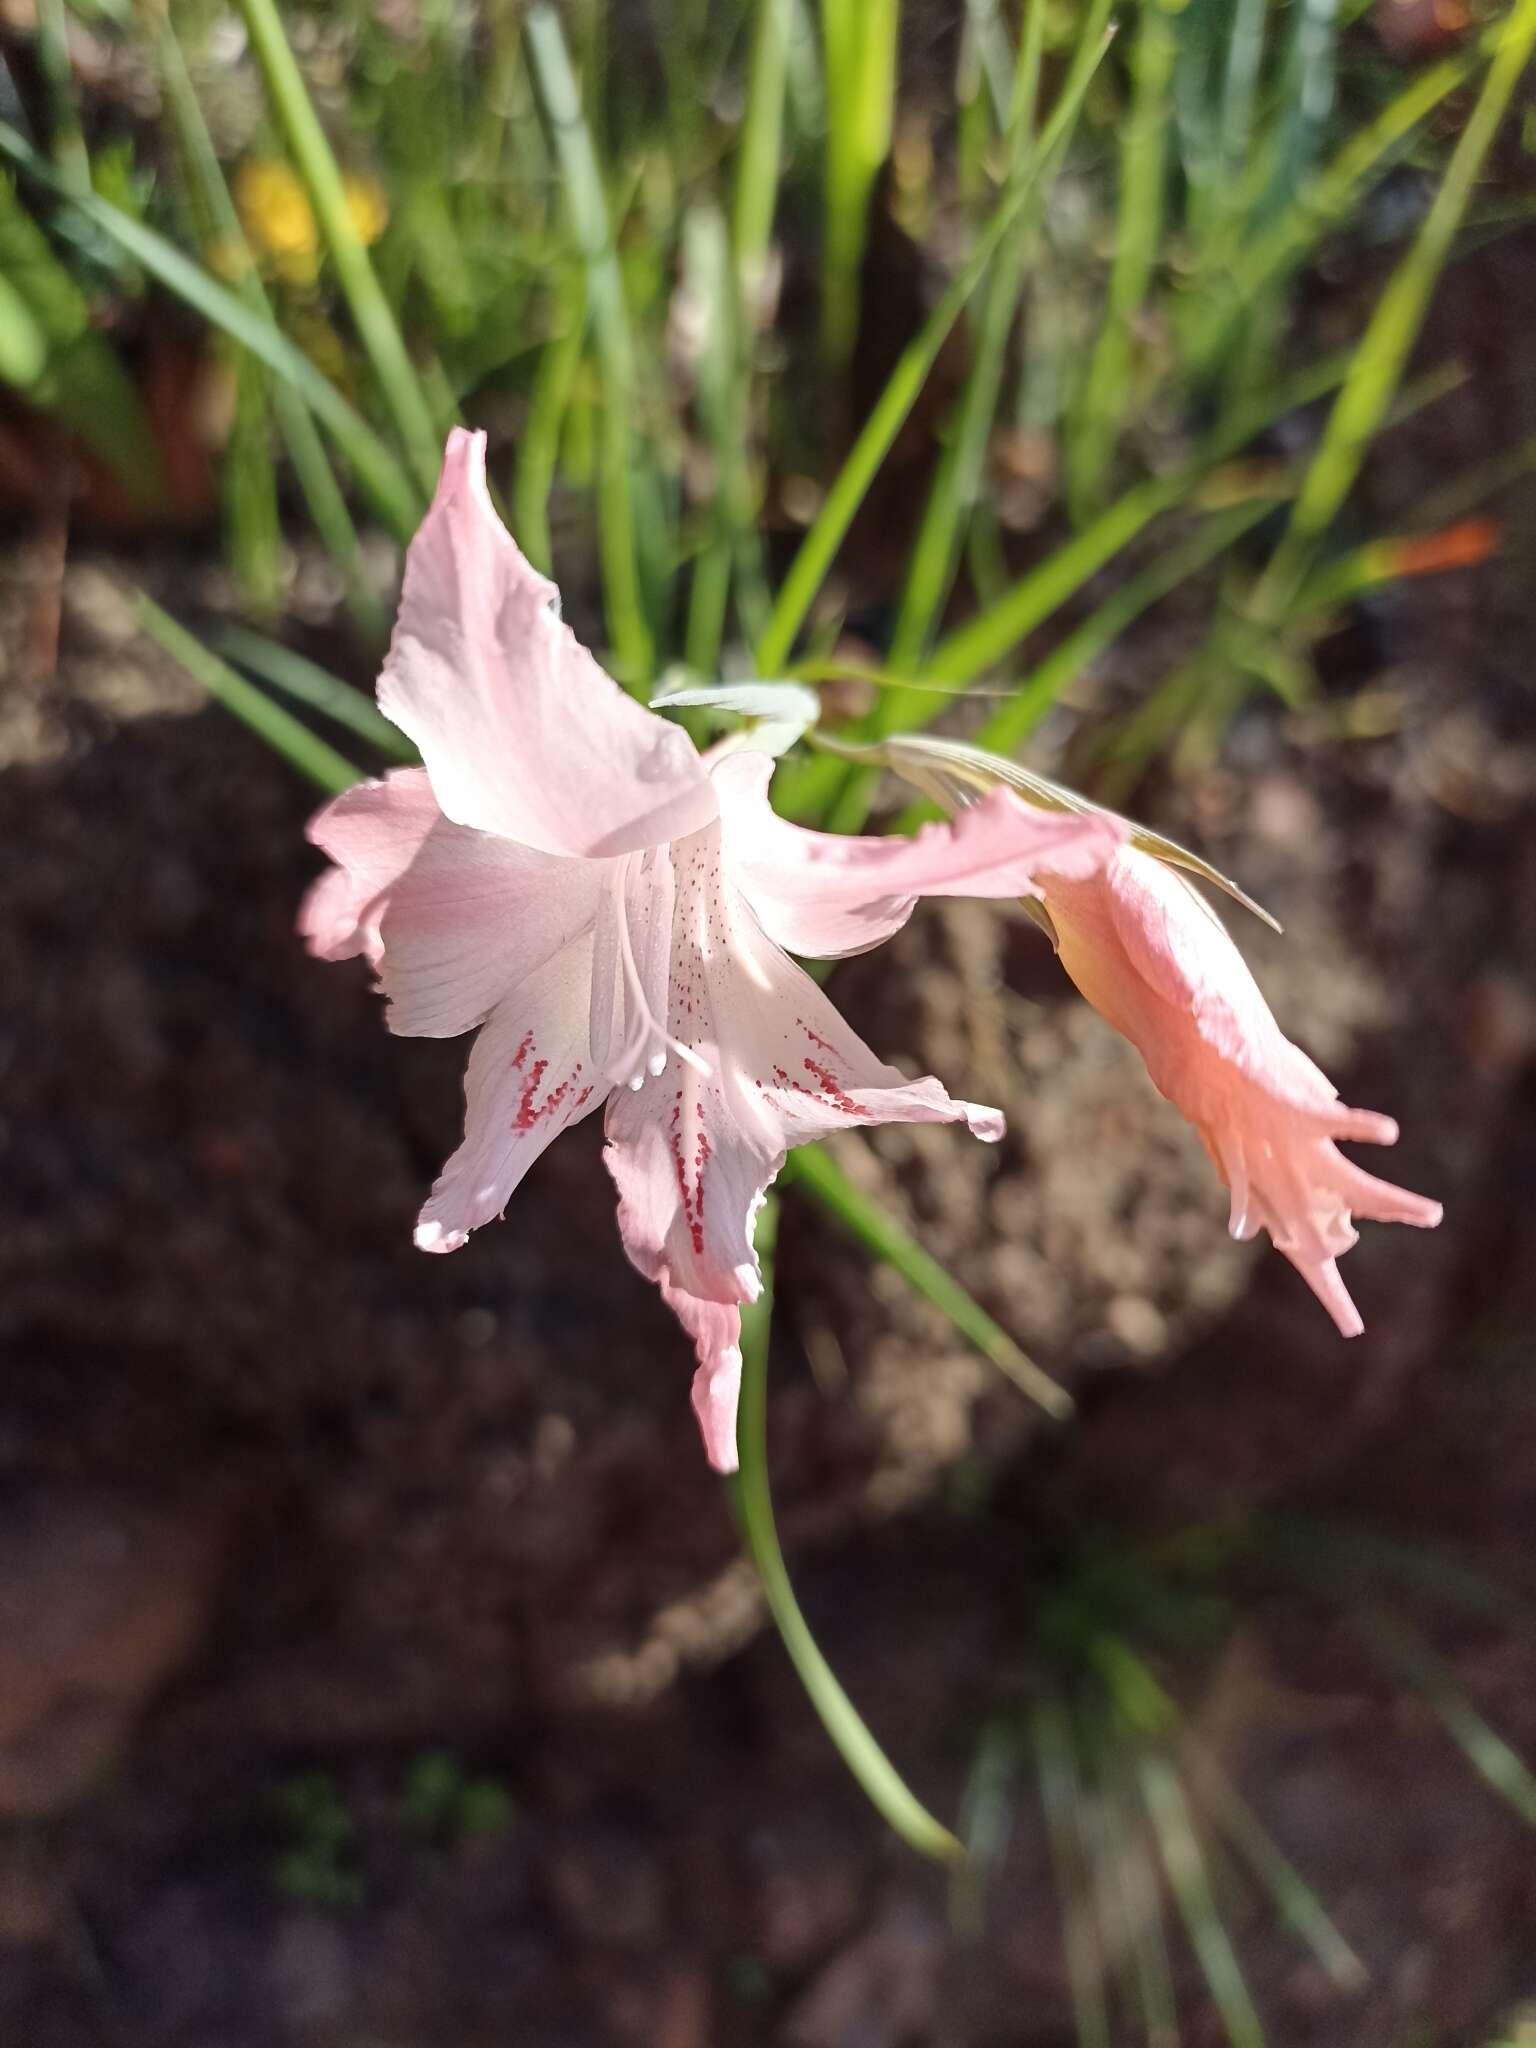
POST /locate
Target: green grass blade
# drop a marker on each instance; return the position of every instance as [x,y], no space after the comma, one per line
[1324,1549]
[962,655]
[1041,689]
[1406,1653]
[815,790]
[1149,1707]
[720,373]
[957,482]
[1297,1903]
[813,1169]
[859,56]
[587,206]
[758,149]
[1378,364]
[23,344]
[1061,1799]
[305,680]
[1234,126]
[877,1776]
[1140,1899]
[280,730]
[1184,1861]
[1263,263]
[306,450]
[377,469]
[538,448]
[399,383]
[248,490]
[986,1816]
[1144,141]
[814,557]
[59,359]
[1307,93]
[53,61]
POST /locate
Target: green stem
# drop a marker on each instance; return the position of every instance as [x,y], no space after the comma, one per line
[752,1502]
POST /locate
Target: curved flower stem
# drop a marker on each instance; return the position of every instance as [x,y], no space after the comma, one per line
[752,1502]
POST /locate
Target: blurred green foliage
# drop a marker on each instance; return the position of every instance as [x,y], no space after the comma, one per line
[663,260]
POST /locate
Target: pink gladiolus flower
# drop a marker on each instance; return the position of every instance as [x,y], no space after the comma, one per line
[613,913]
[1154,959]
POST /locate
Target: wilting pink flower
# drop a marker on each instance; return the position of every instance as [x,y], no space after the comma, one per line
[611,911]
[1154,959]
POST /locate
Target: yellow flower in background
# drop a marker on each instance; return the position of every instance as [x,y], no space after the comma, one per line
[368,207]
[280,222]
[276,214]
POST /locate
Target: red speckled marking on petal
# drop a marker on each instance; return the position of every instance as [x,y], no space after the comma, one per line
[529,1110]
[690,1190]
[833,1089]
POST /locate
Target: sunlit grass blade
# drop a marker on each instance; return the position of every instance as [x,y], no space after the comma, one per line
[957,481]
[23,344]
[586,204]
[377,470]
[538,447]
[305,680]
[1143,178]
[964,654]
[1189,1879]
[1406,1653]
[1271,255]
[859,57]
[1019,713]
[1306,92]
[813,1168]
[816,552]
[1379,361]
[399,383]
[1041,689]
[721,378]
[248,488]
[877,1776]
[280,730]
[1061,1799]
[995,631]
[1234,126]
[1393,557]
[306,451]
[758,148]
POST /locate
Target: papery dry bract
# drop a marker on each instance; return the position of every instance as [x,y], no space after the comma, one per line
[1153,958]
[609,907]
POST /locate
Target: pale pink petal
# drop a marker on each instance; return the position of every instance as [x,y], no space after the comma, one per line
[825,894]
[530,1077]
[373,833]
[470,918]
[521,732]
[715,1328]
[1152,956]
[692,1152]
